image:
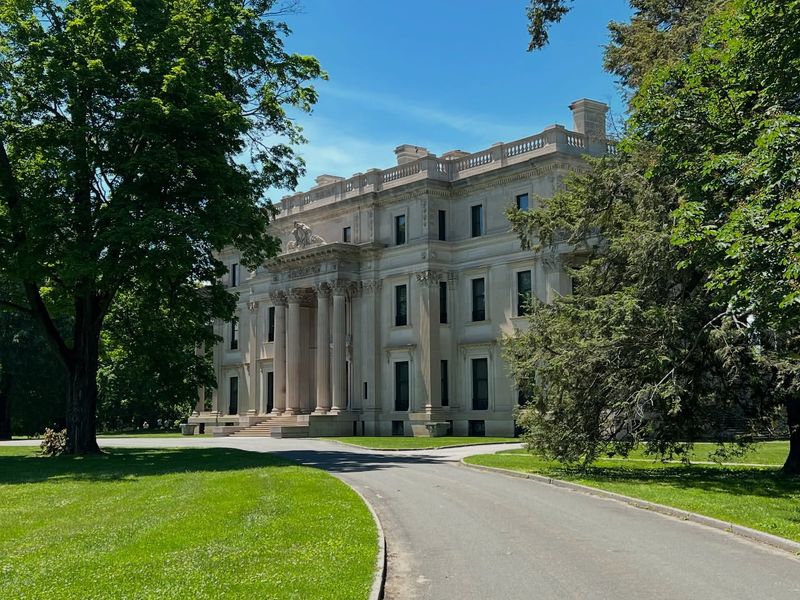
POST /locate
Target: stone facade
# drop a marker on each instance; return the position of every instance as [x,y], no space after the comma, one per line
[385,312]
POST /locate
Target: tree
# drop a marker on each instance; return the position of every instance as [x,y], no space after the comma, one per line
[727,124]
[137,138]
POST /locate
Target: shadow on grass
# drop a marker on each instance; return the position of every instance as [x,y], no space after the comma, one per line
[742,481]
[127,464]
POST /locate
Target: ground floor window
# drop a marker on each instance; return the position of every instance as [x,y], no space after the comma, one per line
[445,385]
[480,384]
[476,428]
[398,428]
[233,396]
[401,391]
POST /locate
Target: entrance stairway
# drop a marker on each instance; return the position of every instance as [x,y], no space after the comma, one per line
[288,424]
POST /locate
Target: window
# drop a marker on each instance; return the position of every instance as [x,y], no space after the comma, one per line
[523,291]
[233,396]
[478,299]
[235,335]
[476,428]
[442,225]
[400,306]
[400,229]
[270,391]
[234,274]
[442,302]
[480,384]
[347,235]
[398,429]
[477,220]
[522,398]
[522,201]
[271,324]
[401,391]
[365,391]
[445,385]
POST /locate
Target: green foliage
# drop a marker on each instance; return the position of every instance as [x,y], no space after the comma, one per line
[542,14]
[53,442]
[138,138]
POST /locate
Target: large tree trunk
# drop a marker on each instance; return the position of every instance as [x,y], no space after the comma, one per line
[792,464]
[82,384]
[5,405]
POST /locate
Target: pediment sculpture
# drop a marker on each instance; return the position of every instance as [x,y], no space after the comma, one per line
[303,237]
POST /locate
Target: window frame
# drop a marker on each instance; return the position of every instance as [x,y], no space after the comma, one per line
[527,201]
[397,229]
[473,296]
[443,306]
[442,223]
[398,316]
[233,275]
[234,339]
[445,383]
[347,234]
[477,403]
[476,232]
[271,324]
[398,365]
[519,296]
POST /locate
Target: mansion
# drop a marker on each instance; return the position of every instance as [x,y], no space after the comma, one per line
[385,312]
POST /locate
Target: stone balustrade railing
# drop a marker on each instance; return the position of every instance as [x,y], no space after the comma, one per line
[553,139]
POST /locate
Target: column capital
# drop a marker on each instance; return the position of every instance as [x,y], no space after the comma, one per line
[298,296]
[370,287]
[323,290]
[278,298]
[340,287]
[428,278]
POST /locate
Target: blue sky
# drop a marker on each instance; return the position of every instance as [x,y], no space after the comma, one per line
[443,74]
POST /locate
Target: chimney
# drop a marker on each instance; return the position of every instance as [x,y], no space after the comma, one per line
[408,153]
[589,117]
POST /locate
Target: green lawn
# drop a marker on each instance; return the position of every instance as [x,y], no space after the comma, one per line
[765,453]
[147,433]
[418,443]
[179,523]
[757,497]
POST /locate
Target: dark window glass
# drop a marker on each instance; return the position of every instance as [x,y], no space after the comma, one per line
[271,324]
[400,229]
[442,225]
[522,398]
[397,428]
[445,385]
[480,384]
[235,335]
[477,220]
[347,235]
[522,202]
[365,392]
[270,391]
[233,396]
[478,300]
[476,428]
[401,391]
[442,302]
[523,291]
[400,306]
[234,272]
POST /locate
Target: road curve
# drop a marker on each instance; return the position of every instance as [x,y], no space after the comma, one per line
[457,533]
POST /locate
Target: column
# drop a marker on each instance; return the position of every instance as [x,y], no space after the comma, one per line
[429,355]
[323,350]
[339,373]
[279,352]
[293,343]
[252,352]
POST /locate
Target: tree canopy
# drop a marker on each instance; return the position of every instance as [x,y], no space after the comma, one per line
[137,138]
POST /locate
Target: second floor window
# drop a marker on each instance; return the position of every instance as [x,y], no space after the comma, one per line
[522,201]
[271,324]
[400,306]
[523,291]
[400,229]
[442,225]
[478,299]
[347,235]
[234,274]
[477,220]
[442,302]
[235,335]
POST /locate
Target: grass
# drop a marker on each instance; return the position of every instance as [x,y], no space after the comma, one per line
[765,453]
[418,443]
[179,523]
[757,497]
[147,433]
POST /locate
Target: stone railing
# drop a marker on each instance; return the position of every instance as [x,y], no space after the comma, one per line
[553,139]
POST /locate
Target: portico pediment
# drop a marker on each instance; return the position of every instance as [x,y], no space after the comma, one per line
[324,258]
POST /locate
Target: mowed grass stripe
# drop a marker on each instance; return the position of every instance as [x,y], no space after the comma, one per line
[200,523]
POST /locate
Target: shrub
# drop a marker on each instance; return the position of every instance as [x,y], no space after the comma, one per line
[54,442]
